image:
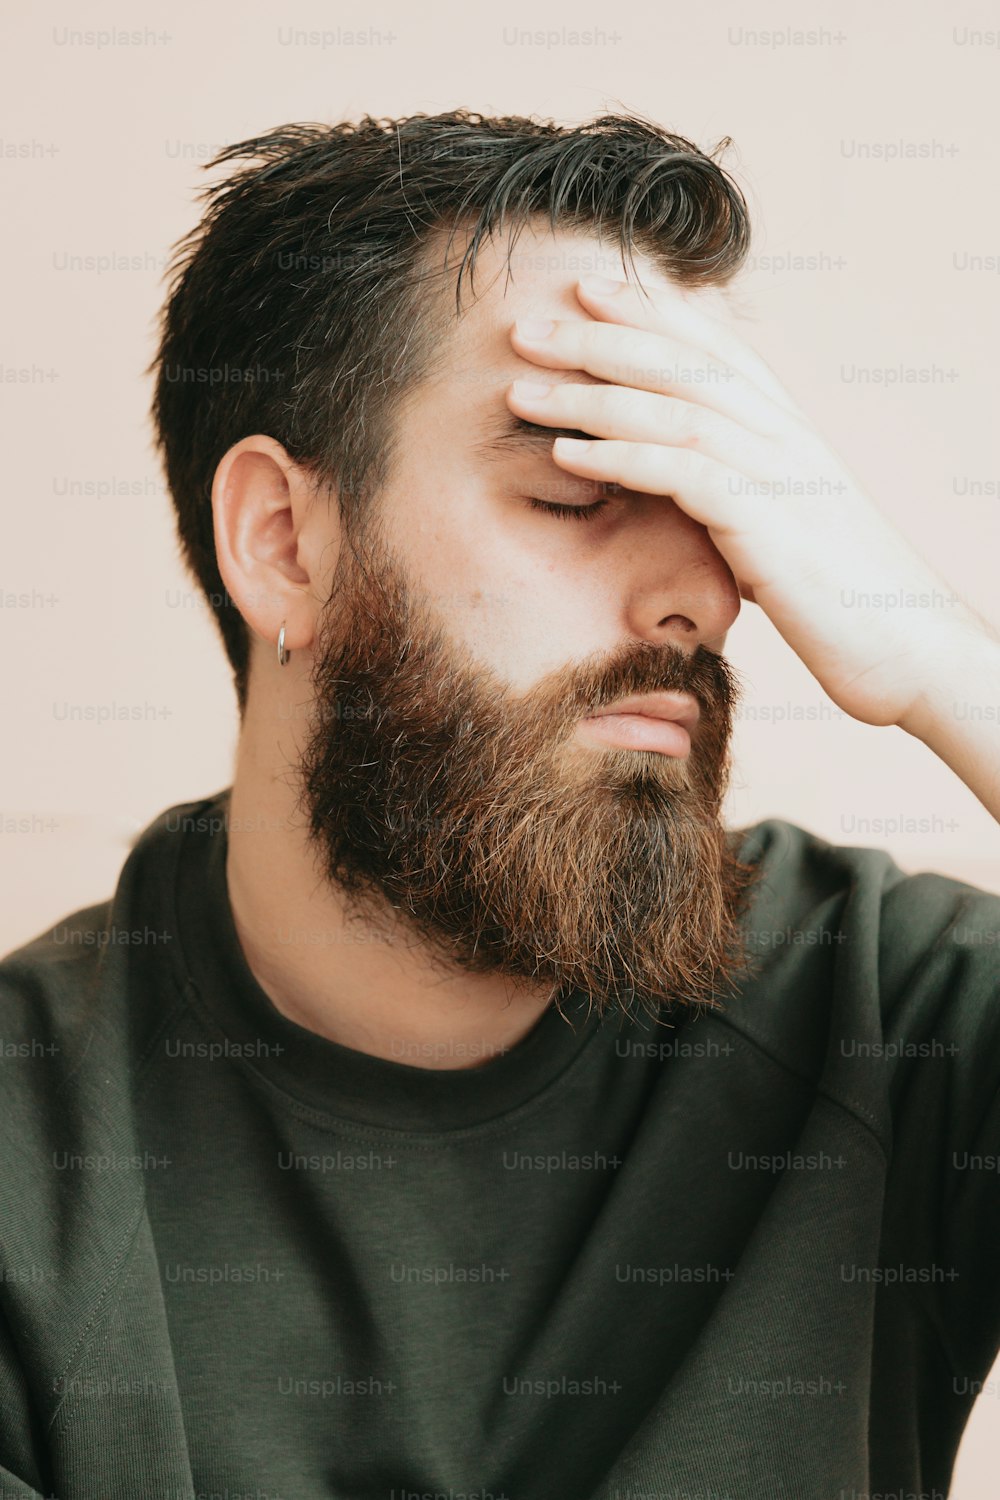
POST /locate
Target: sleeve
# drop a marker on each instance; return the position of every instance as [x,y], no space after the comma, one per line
[940,981]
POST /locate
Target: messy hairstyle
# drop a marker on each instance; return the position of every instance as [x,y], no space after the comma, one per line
[299,307]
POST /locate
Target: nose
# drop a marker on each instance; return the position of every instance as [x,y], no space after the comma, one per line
[680,587]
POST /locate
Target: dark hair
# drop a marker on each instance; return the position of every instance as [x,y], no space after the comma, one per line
[294,307]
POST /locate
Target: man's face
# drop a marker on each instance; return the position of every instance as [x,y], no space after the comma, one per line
[446,772]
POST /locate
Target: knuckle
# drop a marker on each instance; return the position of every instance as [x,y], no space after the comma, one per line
[588,334]
[692,465]
[617,402]
[688,423]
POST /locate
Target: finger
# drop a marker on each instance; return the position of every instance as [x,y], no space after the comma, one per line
[614,411]
[705,489]
[628,356]
[665,310]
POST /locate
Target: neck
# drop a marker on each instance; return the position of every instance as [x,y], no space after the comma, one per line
[368,986]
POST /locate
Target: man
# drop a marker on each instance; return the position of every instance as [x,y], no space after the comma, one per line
[454,1105]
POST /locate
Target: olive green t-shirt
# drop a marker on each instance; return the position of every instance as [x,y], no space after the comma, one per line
[740,1254]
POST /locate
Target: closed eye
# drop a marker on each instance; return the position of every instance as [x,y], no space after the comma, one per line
[576,512]
[568,512]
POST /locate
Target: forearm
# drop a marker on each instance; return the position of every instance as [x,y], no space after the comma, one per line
[958,716]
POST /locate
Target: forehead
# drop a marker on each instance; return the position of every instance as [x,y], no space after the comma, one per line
[539,280]
[462,395]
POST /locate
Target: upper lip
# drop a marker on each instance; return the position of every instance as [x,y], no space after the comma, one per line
[681,708]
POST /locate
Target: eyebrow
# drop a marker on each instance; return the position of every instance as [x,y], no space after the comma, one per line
[513,434]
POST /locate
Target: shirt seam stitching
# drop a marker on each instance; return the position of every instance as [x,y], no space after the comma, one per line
[847,1106]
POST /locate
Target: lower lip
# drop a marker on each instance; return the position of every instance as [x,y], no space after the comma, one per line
[639,732]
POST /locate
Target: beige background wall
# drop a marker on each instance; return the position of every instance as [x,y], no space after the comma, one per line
[867,144]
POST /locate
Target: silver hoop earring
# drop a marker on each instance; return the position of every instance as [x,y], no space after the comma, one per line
[283,655]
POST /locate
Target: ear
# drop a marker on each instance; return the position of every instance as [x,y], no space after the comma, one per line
[269,539]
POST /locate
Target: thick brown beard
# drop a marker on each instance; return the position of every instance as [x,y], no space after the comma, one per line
[441,805]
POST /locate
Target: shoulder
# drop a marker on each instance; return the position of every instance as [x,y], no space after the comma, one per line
[849,949]
[44,983]
[68,1007]
[800,872]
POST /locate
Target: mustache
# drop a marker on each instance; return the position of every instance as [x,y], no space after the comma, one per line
[709,678]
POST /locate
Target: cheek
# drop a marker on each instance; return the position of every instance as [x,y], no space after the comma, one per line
[500,606]
[504,588]
[525,620]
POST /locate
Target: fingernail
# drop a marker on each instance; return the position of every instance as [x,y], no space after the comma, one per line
[600,286]
[531,390]
[535,328]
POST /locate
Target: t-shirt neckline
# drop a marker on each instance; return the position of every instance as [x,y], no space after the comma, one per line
[327,1076]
